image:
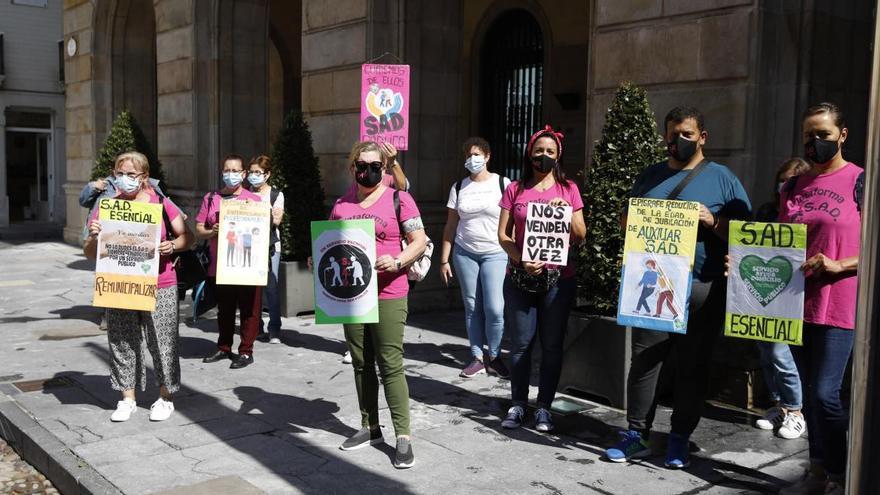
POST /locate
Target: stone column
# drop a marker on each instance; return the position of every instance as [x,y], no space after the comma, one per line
[4,199]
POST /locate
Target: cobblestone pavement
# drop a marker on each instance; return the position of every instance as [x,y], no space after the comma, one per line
[19,477]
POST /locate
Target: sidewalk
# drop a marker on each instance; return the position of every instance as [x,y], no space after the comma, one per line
[275,426]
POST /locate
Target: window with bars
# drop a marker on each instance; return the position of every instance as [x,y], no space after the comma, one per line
[512,71]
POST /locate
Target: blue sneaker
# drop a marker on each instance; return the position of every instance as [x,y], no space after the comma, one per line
[678,452]
[630,446]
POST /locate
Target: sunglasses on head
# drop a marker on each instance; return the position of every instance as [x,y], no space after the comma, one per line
[362,165]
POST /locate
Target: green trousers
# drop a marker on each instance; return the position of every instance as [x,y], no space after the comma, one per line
[381,343]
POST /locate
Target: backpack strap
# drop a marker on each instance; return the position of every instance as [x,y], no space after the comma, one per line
[501,183]
[397,206]
[673,195]
[273,196]
[859,191]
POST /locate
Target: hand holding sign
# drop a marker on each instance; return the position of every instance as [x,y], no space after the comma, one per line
[548,232]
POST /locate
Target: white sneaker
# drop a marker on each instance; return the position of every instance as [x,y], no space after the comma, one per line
[161,409]
[274,340]
[772,419]
[793,426]
[346,358]
[124,409]
[811,483]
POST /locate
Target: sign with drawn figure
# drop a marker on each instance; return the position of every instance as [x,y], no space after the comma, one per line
[765,287]
[658,260]
[127,265]
[243,243]
[385,104]
[547,236]
[346,285]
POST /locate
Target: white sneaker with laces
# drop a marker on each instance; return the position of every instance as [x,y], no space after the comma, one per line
[274,340]
[161,409]
[772,419]
[346,358]
[124,409]
[793,426]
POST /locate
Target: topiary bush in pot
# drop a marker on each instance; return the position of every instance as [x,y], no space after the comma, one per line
[126,135]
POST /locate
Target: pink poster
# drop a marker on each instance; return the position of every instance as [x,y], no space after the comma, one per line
[385,104]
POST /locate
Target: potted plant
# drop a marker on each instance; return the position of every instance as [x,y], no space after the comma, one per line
[600,350]
[126,135]
[297,174]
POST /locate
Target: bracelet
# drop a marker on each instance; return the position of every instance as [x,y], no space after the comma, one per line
[444,263]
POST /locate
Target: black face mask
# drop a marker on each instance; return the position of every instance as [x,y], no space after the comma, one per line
[681,149]
[820,150]
[543,163]
[368,175]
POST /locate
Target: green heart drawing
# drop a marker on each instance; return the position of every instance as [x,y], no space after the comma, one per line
[145,267]
[765,279]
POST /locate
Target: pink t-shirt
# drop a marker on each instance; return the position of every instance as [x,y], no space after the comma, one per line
[391,285]
[209,214]
[167,274]
[826,204]
[516,201]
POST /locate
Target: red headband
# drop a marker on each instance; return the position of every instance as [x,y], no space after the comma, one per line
[549,132]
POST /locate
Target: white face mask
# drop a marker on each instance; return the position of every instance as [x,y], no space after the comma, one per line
[475,163]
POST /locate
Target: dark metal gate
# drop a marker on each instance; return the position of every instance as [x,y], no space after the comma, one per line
[512,71]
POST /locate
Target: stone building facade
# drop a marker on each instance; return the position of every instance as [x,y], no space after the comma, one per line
[209,77]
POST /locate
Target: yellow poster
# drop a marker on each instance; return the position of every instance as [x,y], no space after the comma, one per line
[658,257]
[127,266]
[243,243]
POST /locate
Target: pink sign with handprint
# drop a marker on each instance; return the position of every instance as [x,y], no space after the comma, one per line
[385,104]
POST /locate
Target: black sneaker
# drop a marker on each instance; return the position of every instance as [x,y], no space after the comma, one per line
[217,356]
[362,438]
[403,455]
[241,361]
[497,367]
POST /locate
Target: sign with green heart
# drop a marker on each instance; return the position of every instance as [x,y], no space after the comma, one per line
[765,287]
[765,279]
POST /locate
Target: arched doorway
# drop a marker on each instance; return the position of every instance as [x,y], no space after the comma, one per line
[511,86]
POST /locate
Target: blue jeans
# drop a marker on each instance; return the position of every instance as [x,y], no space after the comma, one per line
[272,299]
[822,362]
[481,277]
[643,299]
[781,375]
[551,320]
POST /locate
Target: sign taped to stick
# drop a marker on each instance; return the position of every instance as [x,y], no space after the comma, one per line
[765,287]
[127,264]
[385,104]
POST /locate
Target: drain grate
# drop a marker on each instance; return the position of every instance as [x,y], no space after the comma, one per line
[41,384]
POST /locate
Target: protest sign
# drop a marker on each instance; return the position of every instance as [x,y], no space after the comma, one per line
[765,287]
[243,243]
[346,286]
[658,259]
[127,265]
[548,230]
[385,104]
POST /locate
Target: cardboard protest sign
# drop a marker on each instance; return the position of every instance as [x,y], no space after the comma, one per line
[658,260]
[127,266]
[346,286]
[385,104]
[765,287]
[547,235]
[243,243]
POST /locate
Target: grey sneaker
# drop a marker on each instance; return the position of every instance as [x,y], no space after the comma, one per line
[543,421]
[514,418]
[497,367]
[403,455]
[475,368]
[362,438]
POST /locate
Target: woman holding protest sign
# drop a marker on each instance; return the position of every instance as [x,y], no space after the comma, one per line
[396,218]
[828,199]
[246,298]
[131,175]
[546,288]
[472,226]
[778,366]
[259,173]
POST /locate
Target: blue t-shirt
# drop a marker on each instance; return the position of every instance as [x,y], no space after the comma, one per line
[649,278]
[715,187]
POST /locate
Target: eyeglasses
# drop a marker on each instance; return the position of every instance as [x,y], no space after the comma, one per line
[361,165]
[130,175]
[257,173]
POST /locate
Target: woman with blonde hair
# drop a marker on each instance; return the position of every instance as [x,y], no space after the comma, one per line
[396,218]
[160,327]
